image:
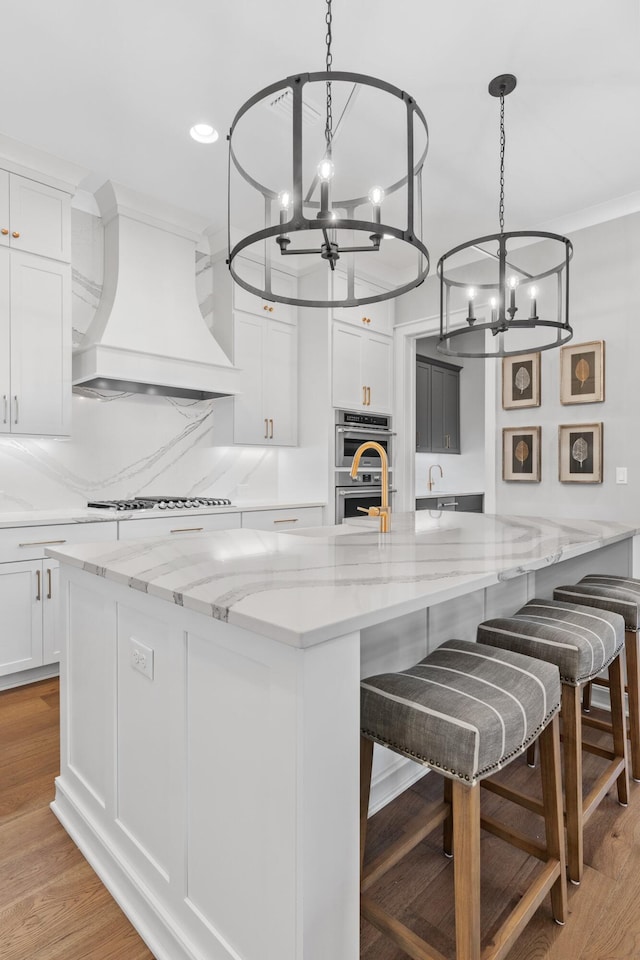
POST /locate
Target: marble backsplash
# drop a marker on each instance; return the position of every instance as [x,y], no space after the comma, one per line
[126,445]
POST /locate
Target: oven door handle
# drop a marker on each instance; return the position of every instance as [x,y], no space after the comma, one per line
[378,431]
[366,491]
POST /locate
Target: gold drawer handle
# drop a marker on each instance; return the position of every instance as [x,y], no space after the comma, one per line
[39,581]
[49,594]
[15,234]
[188,530]
[4,231]
[40,543]
[290,520]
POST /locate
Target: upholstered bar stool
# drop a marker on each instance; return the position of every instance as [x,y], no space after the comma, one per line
[619,595]
[465,711]
[581,642]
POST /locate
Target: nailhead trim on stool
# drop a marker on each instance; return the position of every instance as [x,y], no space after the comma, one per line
[581,641]
[621,595]
[466,710]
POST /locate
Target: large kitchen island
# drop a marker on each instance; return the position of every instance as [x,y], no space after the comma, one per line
[210,708]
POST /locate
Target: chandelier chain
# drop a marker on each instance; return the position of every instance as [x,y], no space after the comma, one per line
[502,147]
[328,130]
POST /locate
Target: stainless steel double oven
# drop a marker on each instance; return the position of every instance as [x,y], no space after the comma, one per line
[353,429]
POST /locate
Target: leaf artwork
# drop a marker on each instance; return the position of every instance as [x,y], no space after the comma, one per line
[580,450]
[582,372]
[522,451]
[522,379]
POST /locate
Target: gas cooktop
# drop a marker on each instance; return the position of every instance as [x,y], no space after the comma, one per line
[160,503]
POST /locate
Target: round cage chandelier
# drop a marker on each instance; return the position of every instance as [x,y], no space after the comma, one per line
[325,172]
[529,266]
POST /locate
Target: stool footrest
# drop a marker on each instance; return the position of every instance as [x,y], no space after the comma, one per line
[602,786]
[522,799]
[597,724]
[515,923]
[398,932]
[417,829]
[533,847]
[598,751]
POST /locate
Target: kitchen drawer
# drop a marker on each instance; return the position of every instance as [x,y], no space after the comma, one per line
[178,524]
[279,520]
[30,543]
[467,503]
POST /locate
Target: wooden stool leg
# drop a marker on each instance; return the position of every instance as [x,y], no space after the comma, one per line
[633,685]
[553,819]
[572,746]
[531,754]
[447,826]
[619,726]
[366,763]
[586,697]
[466,869]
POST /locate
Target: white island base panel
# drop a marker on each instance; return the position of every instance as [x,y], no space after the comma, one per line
[218,800]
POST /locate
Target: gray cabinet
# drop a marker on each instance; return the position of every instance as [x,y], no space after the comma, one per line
[437,406]
[466,503]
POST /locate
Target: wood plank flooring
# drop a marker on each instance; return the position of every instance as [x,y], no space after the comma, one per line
[53,907]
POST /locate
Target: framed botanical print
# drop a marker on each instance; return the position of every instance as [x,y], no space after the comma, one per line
[521,381]
[582,372]
[521,453]
[580,452]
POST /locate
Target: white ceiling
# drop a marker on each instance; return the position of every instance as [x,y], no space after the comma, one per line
[114,85]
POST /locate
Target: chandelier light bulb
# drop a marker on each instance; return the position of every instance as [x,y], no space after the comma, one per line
[493,303]
[471,292]
[533,292]
[376,196]
[285,199]
[325,170]
[512,282]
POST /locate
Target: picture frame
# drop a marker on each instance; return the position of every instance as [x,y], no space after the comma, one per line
[521,454]
[580,448]
[582,372]
[521,381]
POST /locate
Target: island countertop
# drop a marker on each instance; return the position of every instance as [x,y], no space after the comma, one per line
[304,587]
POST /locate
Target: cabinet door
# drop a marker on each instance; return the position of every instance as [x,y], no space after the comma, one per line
[51,639]
[40,345]
[377,317]
[451,388]
[250,422]
[281,383]
[377,368]
[5,341]
[281,283]
[348,384]
[21,605]
[5,233]
[423,407]
[41,218]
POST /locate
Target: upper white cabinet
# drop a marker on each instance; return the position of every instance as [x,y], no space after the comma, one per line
[35,345]
[376,317]
[281,283]
[34,217]
[266,352]
[362,369]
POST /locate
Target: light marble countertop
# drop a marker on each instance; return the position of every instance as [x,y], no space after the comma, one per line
[40,518]
[307,586]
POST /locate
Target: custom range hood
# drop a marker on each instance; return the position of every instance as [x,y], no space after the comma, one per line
[148,335]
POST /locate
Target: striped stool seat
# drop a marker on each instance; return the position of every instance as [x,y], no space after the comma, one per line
[466,710]
[620,595]
[581,641]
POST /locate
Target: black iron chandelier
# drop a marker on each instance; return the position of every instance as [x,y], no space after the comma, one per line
[522,278]
[326,169]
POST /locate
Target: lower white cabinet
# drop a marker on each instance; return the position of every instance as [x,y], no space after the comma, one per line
[362,369]
[282,519]
[177,524]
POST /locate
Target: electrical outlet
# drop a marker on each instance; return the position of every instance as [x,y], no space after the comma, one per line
[621,475]
[141,657]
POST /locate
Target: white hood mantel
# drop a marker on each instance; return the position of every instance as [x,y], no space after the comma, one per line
[148,335]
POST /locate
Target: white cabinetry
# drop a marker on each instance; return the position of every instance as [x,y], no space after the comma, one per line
[282,519]
[377,316]
[362,369]
[177,525]
[28,591]
[35,307]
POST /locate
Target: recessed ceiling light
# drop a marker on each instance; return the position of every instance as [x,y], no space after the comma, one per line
[204,133]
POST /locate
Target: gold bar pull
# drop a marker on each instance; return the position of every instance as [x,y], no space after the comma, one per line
[39,582]
[16,403]
[368,396]
[4,400]
[271,430]
[40,543]
[364,396]
[289,520]
[187,530]
[49,593]
[266,429]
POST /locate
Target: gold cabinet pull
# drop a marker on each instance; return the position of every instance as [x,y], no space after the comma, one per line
[15,234]
[290,520]
[187,530]
[368,396]
[4,231]
[364,396]
[266,429]
[40,543]
[4,400]
[266,306]
[49,592]
[271,429]
[39,582]
[15,400]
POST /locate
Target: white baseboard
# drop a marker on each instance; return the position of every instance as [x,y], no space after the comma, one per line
[11,680]
[394,780]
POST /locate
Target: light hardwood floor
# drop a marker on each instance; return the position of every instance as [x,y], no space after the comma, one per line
[53,907]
